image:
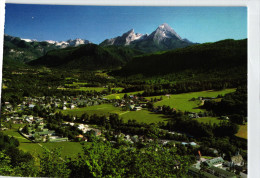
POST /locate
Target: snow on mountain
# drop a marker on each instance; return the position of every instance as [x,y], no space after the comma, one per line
[132,36]
[61,44]
[28,40]
[162,35]
[71,43]
[164,31]
[51,41]
[125,39]
[77,42]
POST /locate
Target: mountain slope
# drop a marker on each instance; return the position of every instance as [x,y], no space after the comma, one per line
[88,56]
[69,43]
[221,55]
[163,38]
[20,51]
[17,50]
[123,40]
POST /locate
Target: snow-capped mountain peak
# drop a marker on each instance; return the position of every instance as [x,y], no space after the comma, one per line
[132,36]
[165,31]
[28,40]
[163,38]
[77,42]
[123,40]
[73,43]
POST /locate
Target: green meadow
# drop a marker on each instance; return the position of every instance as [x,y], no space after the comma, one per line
[68,148]
[242,132]
[106,109]
[143,116]
[182,101]
[103,109]
[209,120]
[81,86]
[97,89]
[121,95]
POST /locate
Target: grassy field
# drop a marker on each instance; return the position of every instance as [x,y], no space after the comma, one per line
[25,144]
[121,95]
[81,86]
[212,120]
[97,89]
[106,109]
[14,133]
[103,109]
[242,132]
[143,116]
[70,149]
[182,101]
[76,84]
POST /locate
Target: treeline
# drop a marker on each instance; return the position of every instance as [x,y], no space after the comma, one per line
[17,50]
[13,161]
[183,86]
[103,160]
[209,135]
[99,159]
[233,104]
[222,56]
[113,125]
[199,130]
[86,57]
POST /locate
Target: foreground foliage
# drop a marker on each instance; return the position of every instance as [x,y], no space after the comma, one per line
[102,159]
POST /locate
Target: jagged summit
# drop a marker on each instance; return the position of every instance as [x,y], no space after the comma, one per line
[130,31]
[123,40]
[165,31]
[163,38]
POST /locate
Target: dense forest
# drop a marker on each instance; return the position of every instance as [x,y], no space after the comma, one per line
[203,58]
[232,104]
[88,56]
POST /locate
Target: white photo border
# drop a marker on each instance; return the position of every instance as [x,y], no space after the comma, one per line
[253,16]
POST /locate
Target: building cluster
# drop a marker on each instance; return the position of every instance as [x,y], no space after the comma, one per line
[217,167]
[49,102]
[83,127]
[39,133]
[132,103]
[29,119]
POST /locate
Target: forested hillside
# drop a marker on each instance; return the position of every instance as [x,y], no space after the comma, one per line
[203,58]
[18,51]
[88,56]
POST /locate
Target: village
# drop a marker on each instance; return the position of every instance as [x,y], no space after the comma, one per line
[36,129]
[27,112]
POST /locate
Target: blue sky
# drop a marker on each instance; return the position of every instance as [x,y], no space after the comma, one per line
[97,23]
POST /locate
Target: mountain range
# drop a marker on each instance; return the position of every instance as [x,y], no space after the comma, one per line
[69,43]
[18,50]
[159,53]
[62,44]
[163,38]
